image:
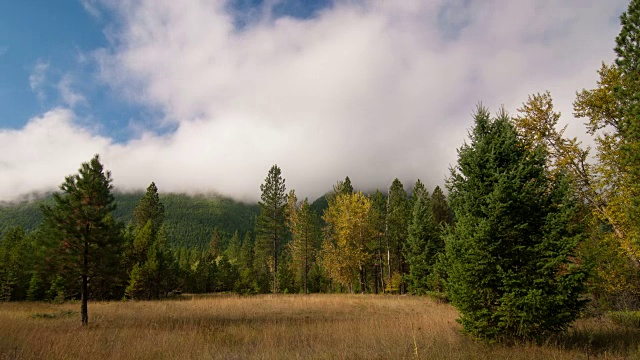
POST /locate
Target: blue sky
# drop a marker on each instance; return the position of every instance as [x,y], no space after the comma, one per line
[204,96]
[60,36]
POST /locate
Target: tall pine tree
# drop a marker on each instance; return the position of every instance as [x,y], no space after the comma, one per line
[82,222]
[271,226]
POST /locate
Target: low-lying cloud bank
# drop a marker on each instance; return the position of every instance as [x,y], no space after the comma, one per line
[369,89]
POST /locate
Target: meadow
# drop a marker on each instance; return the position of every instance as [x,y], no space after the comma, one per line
[329,326]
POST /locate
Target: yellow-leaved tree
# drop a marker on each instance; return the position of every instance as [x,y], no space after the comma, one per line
[345,249]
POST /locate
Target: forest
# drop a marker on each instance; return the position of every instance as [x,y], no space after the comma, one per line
[532,231]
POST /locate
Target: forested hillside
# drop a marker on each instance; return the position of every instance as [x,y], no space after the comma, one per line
[190,220]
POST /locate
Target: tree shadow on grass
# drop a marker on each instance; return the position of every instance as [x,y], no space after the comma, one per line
[599,336]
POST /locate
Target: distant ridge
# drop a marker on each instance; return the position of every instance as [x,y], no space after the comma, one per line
[190,219]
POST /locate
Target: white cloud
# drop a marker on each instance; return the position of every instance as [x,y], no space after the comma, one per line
[37,157]
[38,78]
[92,7]
[373,90]
[69,96]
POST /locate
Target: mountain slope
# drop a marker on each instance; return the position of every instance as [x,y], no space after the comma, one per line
[190,220]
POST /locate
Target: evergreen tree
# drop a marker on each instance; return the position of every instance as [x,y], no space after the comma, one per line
[379,219]
[440,208]
[419,190]
[247,280]
[304,226]
[81,219]
[510,254]
[150,209]
[398,214]
[153,274]
[271,226]
[422,246]
[233,250]
[215,244]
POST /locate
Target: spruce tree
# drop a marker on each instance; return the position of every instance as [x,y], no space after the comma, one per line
[271,227]
[422,246]
[82,222]
[440,208]
[510,255]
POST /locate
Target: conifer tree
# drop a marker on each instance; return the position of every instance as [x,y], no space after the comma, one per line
[153,273]
[398,214]
[510,254]
[150,208]
[440,207]
[233,250]
[379,219]
[422,246]
[247,279]
[271,226]
[82,222]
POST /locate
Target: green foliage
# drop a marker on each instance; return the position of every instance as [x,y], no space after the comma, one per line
[15,263]
[88,237]
[627,94]
[271,227]
[153,272]
[422,246]
[304,226]
[150,209]
[398,217]
[510,254]
[189,220]
[626,318]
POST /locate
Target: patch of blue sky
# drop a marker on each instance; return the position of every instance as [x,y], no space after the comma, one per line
[246,12]
[54,37]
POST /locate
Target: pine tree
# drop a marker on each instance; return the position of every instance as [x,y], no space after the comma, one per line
[150,208]
[379,219]
[304,227]
[271,226]
[81,219]
[398,214]
[510,254]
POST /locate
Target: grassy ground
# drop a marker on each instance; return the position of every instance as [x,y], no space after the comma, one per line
[280,327]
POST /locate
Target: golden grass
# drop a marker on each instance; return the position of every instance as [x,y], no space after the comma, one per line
[279,327]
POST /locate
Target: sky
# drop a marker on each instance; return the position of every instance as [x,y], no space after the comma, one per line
[204,96]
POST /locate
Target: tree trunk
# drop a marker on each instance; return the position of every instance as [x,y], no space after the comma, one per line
[85,284]
[275,258]
[306,268]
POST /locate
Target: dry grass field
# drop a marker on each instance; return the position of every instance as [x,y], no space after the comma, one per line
[280,327]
